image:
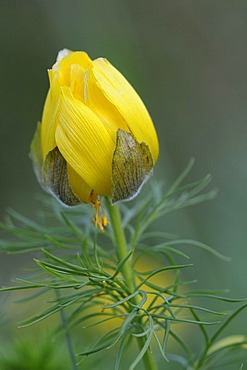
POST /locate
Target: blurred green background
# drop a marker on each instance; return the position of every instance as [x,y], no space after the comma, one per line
[187,59]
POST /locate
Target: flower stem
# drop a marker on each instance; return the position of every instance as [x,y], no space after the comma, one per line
[127,271]
[67,336]
[121,245]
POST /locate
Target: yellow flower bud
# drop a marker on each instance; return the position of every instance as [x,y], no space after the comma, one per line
[96,137]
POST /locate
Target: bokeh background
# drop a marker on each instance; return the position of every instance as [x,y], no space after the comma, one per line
[187,59]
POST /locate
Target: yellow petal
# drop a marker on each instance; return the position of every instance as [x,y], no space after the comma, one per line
[85,143]
[79,187]
[96,100]
[121,94]
[63,68]
[75,71]
[50,119]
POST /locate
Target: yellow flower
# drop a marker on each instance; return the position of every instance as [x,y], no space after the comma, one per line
[96,137]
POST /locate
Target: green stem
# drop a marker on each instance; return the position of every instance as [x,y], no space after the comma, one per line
[127,271]
[67,336]
[121,245]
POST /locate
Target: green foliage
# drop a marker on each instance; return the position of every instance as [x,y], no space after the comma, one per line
[81,267]
[25,355]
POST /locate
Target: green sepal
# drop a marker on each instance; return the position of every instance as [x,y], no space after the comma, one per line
[56,180]
[36,155]
[132,165]
[52,173]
